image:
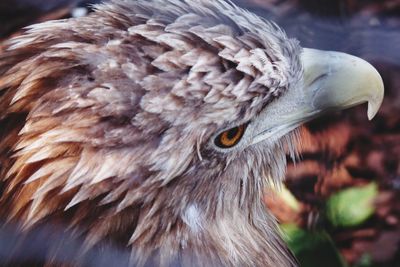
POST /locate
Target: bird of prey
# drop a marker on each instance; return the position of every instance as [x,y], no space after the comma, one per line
[155,125]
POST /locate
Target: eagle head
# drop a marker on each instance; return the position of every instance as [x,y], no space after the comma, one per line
[156,125]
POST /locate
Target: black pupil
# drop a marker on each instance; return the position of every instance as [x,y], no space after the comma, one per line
[232,132]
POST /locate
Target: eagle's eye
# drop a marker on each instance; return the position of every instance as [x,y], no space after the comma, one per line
[230,137]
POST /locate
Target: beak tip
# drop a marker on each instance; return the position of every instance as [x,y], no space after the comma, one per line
[371,113]
[373,107]
[375,102]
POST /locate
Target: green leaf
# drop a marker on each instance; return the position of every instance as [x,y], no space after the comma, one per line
[312,248]
[364,261]
[352,206]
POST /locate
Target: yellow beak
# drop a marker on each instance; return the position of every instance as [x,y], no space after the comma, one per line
[331,81]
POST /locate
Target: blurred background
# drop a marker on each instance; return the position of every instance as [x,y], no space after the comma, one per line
[341,202]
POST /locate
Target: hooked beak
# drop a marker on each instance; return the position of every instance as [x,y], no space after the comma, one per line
[332,81]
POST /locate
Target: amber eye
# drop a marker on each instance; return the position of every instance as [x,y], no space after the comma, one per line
[230,137]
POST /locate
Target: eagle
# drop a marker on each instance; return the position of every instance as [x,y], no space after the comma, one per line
[156,125]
